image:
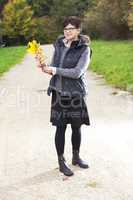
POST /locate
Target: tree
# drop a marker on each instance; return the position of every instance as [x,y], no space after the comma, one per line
[17,19]
[45,30]
[41,7]
[109,18]
[130,16]
[64,8]
[2,3]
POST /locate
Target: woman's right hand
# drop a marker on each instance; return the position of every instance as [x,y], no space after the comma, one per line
[39,62]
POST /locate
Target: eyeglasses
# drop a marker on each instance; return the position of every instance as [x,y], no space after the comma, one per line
[69,29]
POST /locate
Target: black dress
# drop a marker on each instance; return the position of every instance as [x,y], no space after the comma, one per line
[68,110]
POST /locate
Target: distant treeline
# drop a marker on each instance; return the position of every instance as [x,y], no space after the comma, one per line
[23,20]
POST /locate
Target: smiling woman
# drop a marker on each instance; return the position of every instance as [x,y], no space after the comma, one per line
[68,87]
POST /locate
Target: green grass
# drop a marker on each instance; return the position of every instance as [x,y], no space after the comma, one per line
[114,60]
[9,56]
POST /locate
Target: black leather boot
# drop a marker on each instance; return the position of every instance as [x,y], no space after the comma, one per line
[63,166]
[76,160]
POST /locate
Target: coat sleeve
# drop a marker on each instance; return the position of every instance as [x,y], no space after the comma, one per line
[79,69]
[52,59]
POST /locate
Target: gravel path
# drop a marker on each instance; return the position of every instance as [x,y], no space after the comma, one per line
[28,162]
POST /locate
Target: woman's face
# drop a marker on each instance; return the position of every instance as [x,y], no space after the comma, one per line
[71,32]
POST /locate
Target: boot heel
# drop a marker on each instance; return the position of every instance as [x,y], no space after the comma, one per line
[76,160]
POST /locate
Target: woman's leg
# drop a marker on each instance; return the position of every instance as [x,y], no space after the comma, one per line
[76,141]
[60,139]
[60,143]
[76,137]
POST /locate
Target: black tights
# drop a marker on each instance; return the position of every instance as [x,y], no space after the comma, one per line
[60,138]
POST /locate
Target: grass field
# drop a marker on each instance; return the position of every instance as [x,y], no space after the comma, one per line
[9,56]
[114,60]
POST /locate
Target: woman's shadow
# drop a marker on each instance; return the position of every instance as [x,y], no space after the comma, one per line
[47,176]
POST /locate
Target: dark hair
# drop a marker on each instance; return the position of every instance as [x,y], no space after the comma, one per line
[75,21]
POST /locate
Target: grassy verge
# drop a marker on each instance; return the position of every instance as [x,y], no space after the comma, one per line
[114,60]
[9,56]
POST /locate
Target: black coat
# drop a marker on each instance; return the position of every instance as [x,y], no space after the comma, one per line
[69,85]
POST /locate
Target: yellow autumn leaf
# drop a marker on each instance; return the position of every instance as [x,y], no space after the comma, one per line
[35,48]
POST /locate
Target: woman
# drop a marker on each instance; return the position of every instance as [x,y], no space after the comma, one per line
[67,85]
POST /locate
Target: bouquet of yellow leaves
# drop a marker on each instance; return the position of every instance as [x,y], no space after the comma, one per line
[35,48]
